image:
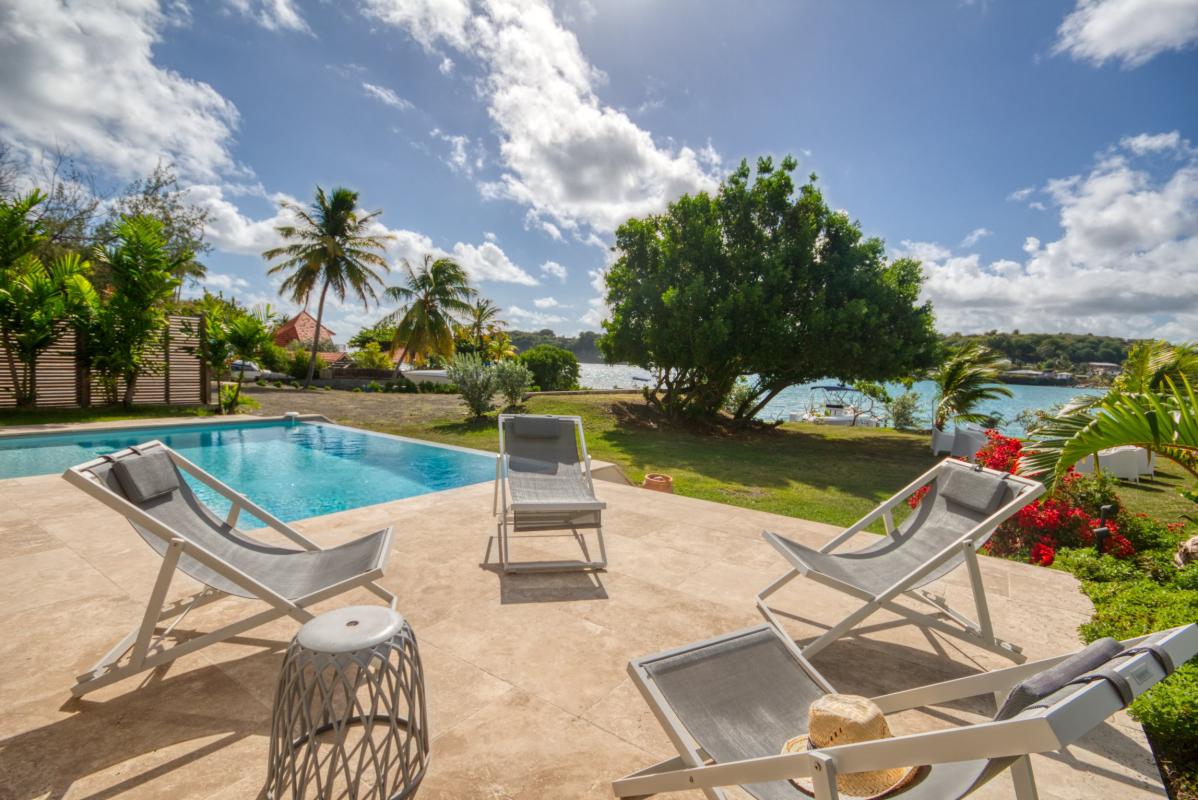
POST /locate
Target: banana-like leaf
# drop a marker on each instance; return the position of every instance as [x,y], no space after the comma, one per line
[1165,422]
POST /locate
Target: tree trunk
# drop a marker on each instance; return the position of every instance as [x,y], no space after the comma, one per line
[130,387]
[316,335]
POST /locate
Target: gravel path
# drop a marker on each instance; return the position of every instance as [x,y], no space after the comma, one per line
[358,408]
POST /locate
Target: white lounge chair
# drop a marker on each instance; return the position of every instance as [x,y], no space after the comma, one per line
[967,442]
[543,483]
[145,484]
[963,506]
[729,704]
[942,441]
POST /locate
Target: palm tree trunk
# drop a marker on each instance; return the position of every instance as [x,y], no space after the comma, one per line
[316,335]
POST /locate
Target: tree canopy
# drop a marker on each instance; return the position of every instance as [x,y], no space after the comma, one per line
[758,281]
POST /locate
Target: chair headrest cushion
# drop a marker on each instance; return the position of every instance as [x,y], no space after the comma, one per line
[145,476]
[979,491]
[536,427]
[1042,684]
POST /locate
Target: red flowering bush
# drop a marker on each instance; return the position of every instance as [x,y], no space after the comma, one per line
[1043,526]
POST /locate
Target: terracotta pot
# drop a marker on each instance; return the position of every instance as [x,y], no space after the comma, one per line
[659,483]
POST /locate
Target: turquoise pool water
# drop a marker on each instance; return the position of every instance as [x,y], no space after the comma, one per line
[294,471]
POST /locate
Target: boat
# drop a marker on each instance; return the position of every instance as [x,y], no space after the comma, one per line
[837,404]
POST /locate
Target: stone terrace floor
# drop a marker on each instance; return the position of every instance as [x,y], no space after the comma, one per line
[527,688]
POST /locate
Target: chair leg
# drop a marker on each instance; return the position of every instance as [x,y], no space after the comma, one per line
[764,607]
[1024,779]
[979,591]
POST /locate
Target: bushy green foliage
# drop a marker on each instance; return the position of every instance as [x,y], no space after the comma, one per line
[297,365]
[380,333]
[512,379]
[584,346]
[1047,349]
[758,281]
[475,380]
[742,393]
[552,367]
[231,400]
[273,358]
[904,411]
[371,356]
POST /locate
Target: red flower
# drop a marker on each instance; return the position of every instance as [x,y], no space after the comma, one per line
[1000,452]
[1042,554]
[914,500]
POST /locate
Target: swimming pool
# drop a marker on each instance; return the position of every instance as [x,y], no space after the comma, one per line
[292,469]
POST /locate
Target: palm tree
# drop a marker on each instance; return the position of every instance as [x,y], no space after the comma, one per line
[247,335]
[483,315]
[436,295]
[1151,405]
[965,378]
[329,248]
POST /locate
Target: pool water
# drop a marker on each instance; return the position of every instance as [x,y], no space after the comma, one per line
[293,470]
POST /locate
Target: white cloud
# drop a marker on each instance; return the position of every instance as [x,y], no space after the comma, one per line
[386,95]
[535,318]
[924,251]
[272,14]
[547,302]
[569,158]
[597,310]
[446,66]
[975,236]
[1155,143]
[555,270]
[230,230]
[1125,264]
[220,281]
[488,262]
[1019,195]
[87,82]
[1131,31]
[464,156]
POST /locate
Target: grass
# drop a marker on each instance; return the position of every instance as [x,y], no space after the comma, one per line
[62,416]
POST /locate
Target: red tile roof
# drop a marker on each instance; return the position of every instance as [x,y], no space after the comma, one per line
[301,327]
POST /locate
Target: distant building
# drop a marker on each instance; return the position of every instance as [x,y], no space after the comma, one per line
[301,328]
[1104,368]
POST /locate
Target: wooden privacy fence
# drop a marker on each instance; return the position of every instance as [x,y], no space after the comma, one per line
[179,376]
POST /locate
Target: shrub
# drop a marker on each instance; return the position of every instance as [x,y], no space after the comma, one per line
[741,393]
[475,381]
[274,358]
[374,386]
[371,356]
[552,367]
[297,367]
[228,392]
[512,379]
[904,411]
[357,389]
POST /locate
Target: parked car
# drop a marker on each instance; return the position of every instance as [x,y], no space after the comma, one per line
[248,370]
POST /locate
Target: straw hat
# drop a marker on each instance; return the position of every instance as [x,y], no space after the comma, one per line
[837,719]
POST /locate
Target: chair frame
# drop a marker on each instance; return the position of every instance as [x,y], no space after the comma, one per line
[147,651]
[979,631]
[1049,729]
[505,509]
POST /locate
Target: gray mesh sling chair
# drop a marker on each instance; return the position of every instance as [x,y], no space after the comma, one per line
[963,506]
[145,485]
[543,483]
[729,705]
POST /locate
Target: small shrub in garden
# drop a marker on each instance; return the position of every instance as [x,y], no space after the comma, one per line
[374,386]
[475,381]
[277,384]
[512,379]
[904,411]
[553,368]
[741,393]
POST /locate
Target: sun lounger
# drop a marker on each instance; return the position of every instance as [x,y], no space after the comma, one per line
[962,507]
[145,484]
[729,704]
[543,483]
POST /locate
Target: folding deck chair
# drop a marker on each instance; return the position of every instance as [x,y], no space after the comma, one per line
[729,705]
[542,484]
[145,485]
[963,506]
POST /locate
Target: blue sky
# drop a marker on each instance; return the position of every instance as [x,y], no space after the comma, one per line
[1038,156]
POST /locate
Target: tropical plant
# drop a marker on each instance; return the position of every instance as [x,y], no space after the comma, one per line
[125,322]
[38,303]
[1164,422]
[247,335]
[966,378]
[482,318]
[371,357]
[475,380]
[380,334]
[552,367]
[759,280]
[512,379]
[904,411]
[329,248]
[435,296]
[500,347]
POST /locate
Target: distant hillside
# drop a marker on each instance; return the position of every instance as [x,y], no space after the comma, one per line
[1048,350]
[582,346]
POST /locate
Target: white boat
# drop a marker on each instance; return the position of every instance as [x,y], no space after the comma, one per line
[836,404]
[426,375]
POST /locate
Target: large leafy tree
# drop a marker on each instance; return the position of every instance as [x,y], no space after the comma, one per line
[38,302]
[758,281]
[435,296]
[329,249]
[966,378]
[126,321]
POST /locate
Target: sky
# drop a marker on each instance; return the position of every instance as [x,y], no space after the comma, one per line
[1038,157]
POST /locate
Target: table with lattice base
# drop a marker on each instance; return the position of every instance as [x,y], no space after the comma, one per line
[349,716]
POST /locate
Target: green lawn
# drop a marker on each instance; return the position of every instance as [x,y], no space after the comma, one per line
[50,416]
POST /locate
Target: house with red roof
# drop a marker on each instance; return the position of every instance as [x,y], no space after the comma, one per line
[301,328]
